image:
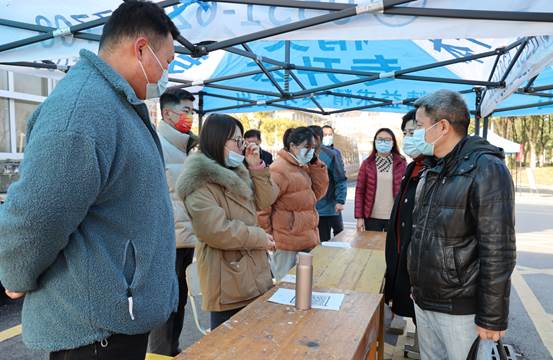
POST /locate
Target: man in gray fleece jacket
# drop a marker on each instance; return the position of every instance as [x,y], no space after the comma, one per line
[86,234]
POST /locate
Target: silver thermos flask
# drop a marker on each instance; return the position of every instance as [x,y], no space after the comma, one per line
[304,280]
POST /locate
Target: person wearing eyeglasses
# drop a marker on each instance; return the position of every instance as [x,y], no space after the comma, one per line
[177,140]
[378,183]
[222,191]
[302,180]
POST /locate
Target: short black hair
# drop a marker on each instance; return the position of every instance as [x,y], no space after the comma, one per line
[317,131]
[410,116]
[173,96]
[328,127]
[253,133]
[217,129]
[137,18]
[297,136]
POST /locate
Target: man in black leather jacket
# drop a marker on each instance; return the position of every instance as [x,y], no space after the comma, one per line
[462,250]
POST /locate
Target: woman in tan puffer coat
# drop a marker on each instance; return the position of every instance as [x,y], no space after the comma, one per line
[302,180]
[222,196]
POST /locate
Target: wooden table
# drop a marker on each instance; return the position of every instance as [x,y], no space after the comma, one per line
[360,268]
[265,330]
[363,240]
[273,331]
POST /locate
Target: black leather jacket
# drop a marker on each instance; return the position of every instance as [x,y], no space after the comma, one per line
[462,251]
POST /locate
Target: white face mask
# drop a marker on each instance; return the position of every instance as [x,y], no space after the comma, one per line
[155,90]
[328,140]
[234,159]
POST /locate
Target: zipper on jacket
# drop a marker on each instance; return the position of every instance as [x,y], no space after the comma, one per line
[436,185]
[129,284]
[129,298]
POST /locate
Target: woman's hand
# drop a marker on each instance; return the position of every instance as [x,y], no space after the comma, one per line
[253,155]
[360,225]
[271,246]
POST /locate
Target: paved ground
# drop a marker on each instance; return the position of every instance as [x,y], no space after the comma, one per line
[531,316]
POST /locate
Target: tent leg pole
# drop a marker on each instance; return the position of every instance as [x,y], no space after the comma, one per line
[200,111]
[485,128]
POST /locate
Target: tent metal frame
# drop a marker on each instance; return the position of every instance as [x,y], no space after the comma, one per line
[282,93]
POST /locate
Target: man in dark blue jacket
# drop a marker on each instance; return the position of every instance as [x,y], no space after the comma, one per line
[331,206]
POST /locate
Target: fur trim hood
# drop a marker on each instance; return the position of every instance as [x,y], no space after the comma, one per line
[198,170]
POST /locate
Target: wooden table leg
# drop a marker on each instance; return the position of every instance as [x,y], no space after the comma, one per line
[381,332]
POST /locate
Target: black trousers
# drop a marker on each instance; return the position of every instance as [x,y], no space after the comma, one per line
[164,340]
[219,317]
[372,224]
[116,347]
[328,223]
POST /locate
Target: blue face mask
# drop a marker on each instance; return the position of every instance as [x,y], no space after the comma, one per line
[384,146]
[422,146]
[304,156]
[410,147]
[234,159]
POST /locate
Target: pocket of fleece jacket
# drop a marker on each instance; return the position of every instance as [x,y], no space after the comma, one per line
[129,270]
[238,280]
[126,299]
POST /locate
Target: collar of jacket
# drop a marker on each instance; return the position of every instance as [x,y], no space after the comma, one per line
[286,156]
[464,156]
[199,169]
[122,86]
[117,81]
[395,158]
[173,136]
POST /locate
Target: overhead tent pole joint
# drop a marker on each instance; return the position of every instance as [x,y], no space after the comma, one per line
[61,32]
[369,8]
[387,75]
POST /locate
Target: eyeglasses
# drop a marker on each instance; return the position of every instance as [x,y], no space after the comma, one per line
[239,141]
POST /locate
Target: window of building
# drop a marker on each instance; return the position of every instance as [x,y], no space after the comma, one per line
[3,80]
[30,84]
[4,126]
[23,111]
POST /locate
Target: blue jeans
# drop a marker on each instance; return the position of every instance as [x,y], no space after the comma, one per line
[448,337]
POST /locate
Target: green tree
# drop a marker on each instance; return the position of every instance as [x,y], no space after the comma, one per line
[271,125]
[535,132]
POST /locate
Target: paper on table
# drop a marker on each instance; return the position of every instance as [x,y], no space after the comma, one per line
[337,244]
[319,300]
[289,279]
